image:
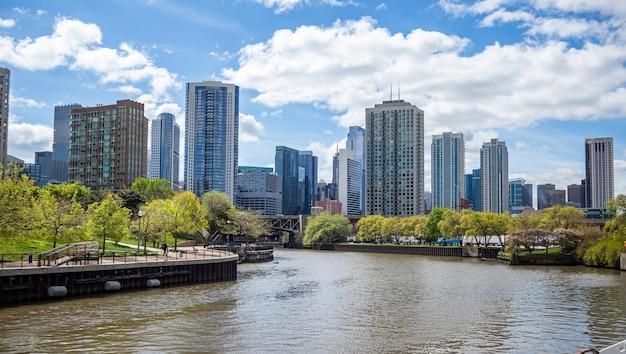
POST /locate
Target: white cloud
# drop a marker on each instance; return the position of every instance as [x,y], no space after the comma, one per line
[20,10]
[17,101]
[503,16]
[606,7]
[7,22]
[281,6]
[47,52]
[620,181]
[325,155]
[249,128]
[41,12]
[26,138]
[129,89]
[381,7]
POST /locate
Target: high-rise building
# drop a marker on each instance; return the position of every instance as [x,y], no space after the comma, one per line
[447,170]
[356,144]
[494,176]
[211,137]
[165,149]
[575,195]
[44,160]
[61,141]
[5,80]
[349,187]
[286,163]
[259,189]
[394,148]
[33,171]
[326,190]
[307,181]
[583,195]
[109,145]
[598,172]
[331,206]
[520,195]
[543,192]
[472,189]
[548,196]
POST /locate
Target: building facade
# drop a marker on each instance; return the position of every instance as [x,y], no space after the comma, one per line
[307,181]
[494,176]
[447,170]
[356,144]
[349,187]
[286,162]
[109,145]
[5,81]
[599,172]
[61,141]
[394,148]
[548,196]
[575,195]
[331,206]
[472,189]
[165,150]
[211,137]
[259,190]
[45,162]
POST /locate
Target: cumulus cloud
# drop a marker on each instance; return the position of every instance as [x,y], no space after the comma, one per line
[249,128]
[381,7]
[7,22]
[281,6]
[26,138]
[17,101]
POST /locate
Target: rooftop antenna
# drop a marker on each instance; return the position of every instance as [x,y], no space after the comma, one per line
[391,92]
[398,91]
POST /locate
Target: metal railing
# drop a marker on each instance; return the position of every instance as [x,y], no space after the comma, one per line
[24,260]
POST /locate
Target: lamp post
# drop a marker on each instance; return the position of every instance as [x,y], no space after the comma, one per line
[140,214]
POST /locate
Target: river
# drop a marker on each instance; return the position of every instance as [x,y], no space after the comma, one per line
[325,301]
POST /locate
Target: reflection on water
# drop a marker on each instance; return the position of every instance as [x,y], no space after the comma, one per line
[342,302]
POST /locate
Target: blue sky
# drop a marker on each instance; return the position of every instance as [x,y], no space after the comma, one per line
[540,74]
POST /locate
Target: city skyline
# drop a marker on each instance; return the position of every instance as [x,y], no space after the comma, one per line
[270,118]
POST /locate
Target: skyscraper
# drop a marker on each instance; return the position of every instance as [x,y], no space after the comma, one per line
[472,189]
[394,147]
[61,141]
[349,186]
[599,178]
[259,189]
[494,176]
[164,149]
[286,163]
[527,196]
[5,78]
[109,145]
[356,144]
[520,195]
[307,182]
[212,137]
[44,160]
[447,170]
[575,195]
[548,196]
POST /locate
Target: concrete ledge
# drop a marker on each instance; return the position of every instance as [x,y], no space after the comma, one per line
[110,266]
[622,261]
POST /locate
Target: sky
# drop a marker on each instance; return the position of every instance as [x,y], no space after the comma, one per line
[542,75]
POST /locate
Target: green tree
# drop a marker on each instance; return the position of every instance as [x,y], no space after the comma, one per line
[451,224]
[486,224]
[250,224]
[132,201]
[326,228]
[560,217]
[220,214]
[185,216]
[59,217]
[152,189]
[370,228]
[409,224]
[431,229]
[155,222]
[17,196]
[390,228]
[108,220]
[75,191]
[606,251]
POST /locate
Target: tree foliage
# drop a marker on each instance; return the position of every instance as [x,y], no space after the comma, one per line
[431,226]
[59,217]
[560,217]
[370,228]
[326,228]
[151,189]
[108,220]
[250,224]
[219,212]
[17,196]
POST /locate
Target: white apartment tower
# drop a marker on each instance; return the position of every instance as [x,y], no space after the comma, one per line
[394,150]
[494,176]
[447,170]
[164,149]
[599,174]
[349,182]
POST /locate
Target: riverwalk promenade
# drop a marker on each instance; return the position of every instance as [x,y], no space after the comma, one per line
[23,281]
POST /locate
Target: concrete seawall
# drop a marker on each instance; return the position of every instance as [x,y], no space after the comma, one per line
[414,250]
[41,283]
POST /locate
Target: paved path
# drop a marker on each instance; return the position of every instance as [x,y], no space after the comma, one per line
[130,245]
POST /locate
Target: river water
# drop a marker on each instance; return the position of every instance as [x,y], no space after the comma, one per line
[324,301]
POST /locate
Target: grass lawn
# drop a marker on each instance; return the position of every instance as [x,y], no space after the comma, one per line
[23,245]
[552,251]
